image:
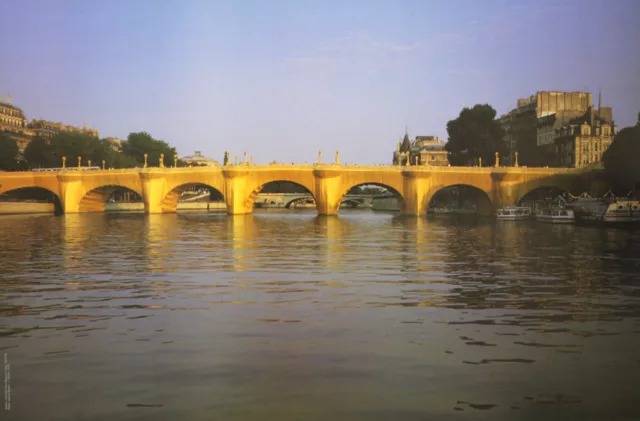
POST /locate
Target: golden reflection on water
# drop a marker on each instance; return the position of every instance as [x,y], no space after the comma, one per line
[243,237]
[294,315]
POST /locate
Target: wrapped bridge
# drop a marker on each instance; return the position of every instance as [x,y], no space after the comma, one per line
[80,190]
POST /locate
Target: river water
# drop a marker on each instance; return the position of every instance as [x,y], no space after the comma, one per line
[292,316]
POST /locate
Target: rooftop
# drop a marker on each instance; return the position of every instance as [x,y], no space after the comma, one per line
[198,158]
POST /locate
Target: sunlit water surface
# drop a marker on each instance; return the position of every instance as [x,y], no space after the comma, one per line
[291,316]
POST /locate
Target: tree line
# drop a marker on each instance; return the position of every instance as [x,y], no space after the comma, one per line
[622,159]
[44,153]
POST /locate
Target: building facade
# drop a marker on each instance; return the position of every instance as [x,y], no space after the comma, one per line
[582,141]
[423,150]
[506,123]
[14,123]
[48,129]
[530,127]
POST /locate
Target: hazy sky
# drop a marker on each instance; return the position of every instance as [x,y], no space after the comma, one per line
[282,79]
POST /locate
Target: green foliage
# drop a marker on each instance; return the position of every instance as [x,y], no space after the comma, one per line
[72,145]
[621,159]
[8,153]
[137,144]
[40,154]
[474,134]
[115,158]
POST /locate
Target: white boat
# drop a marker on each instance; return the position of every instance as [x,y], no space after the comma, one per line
[556,215]
[514,213]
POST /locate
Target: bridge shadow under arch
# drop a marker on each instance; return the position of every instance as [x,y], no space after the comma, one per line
[24,196]
[95,200]
[542,193]
[196,192]
[460,198]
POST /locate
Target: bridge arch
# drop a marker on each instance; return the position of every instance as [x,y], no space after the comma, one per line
[39,196]
[302,189]
[390,189]
[541,193]
[594,184]
[95,199]
[170,200]
[461,197]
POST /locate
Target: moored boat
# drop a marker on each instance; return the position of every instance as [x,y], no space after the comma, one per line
[514,213]
[622,211]
[556,215]
[608,209]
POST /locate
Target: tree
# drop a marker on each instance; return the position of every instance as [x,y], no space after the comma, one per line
[74,144]
[115,158]
[621,159]
[138,144]
[475,134]
[8,152]
[40,154]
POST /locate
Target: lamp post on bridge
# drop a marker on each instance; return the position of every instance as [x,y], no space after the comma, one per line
[497,160]
[480,161]
[103,162]
[89,164]
[516,165]
[161,164]
[175,161]
[319,157]
[79,162]
[145,160]
[64,162]
[337,157]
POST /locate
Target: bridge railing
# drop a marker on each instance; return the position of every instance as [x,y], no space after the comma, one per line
[343,167]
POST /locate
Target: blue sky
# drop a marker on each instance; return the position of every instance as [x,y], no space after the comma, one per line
[283,79]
